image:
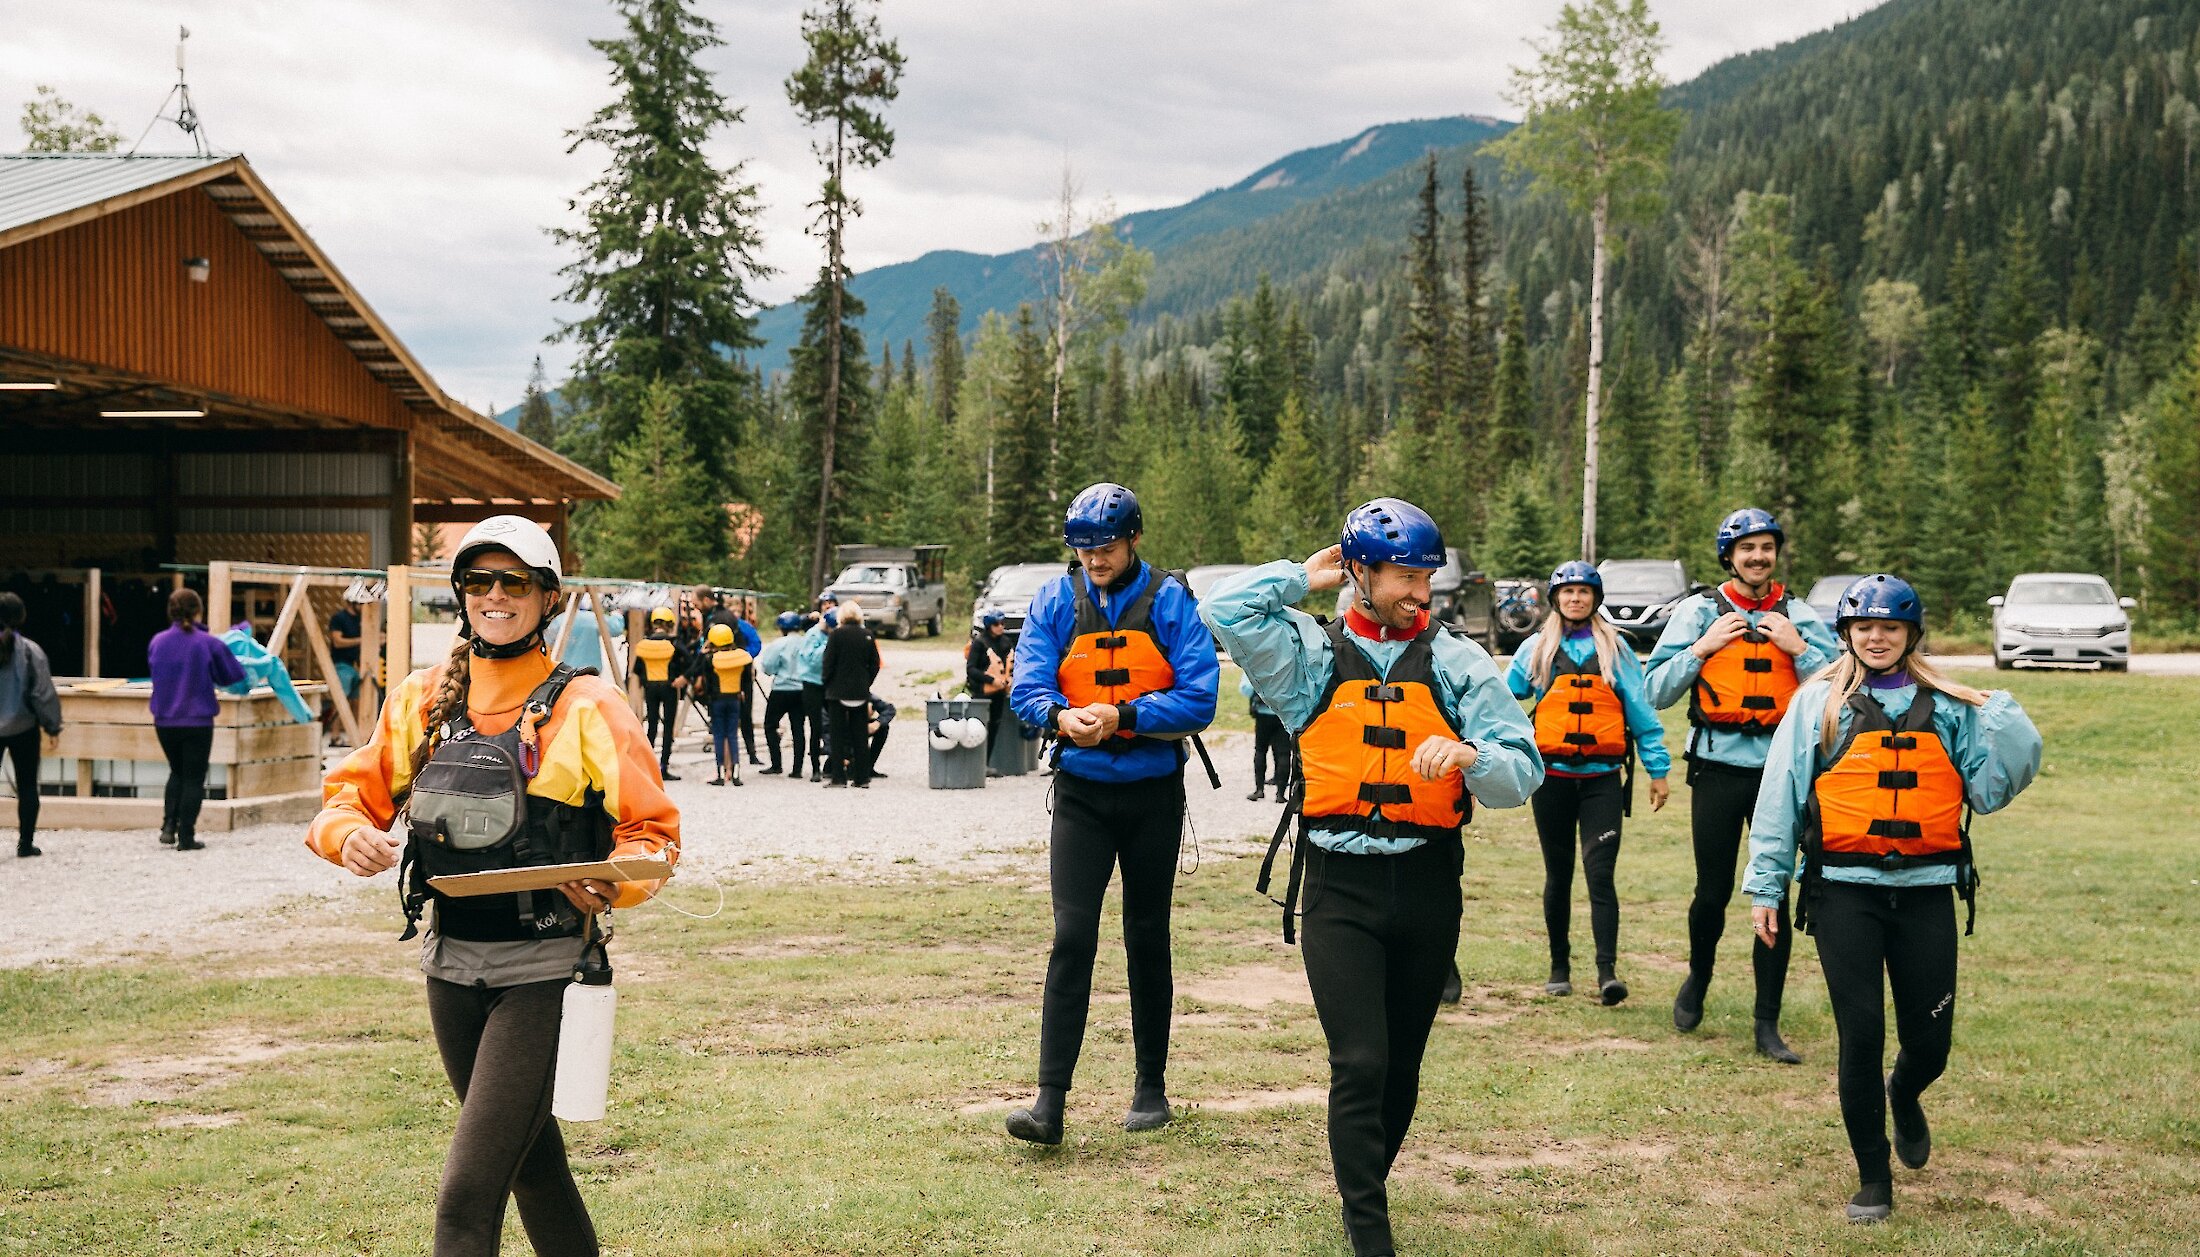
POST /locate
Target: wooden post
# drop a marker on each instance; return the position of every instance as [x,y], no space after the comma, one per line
[217,595]
[399,604]
[319,642]
[279,636]
[91,622]
[636,628]
[565,626]
[610,654]
[370,650]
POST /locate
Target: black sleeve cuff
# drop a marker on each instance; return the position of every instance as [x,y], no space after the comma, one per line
[1126,717]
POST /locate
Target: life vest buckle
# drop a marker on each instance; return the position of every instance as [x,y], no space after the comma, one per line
[1582,709]
[1898,779]
[1896,829]
[1383,793]
[1378,693]
[1758,702]
[1756,665]
[1111,677]
[1114,641]
[1384,736]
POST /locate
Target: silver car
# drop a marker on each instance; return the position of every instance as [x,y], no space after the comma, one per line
[1009,590]
[2062,617]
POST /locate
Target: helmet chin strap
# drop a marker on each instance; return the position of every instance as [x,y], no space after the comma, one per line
[510,650]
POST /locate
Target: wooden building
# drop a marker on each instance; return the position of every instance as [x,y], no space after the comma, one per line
[185,377]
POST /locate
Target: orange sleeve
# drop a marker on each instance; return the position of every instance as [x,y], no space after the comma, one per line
[360,790]
[620,762]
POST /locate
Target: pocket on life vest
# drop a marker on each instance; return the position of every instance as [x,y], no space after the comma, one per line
[470,796]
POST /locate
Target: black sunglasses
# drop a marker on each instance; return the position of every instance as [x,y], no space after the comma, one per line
[516,582]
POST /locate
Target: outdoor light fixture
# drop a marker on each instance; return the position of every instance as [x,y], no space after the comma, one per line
[29,386]
[152,414]
[198,269]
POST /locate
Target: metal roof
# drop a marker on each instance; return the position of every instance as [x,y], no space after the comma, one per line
[38,186]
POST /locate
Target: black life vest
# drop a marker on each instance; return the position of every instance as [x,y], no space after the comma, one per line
[468,811]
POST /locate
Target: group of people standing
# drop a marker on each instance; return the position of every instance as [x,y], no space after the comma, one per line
[1856,786]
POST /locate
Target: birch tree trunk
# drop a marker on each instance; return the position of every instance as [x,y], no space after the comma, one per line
[1601,222]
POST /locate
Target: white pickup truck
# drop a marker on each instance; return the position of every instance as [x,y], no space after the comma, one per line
[898,587]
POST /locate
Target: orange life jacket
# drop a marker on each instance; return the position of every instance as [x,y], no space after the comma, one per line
[1116,663]
[1891,798]
[1580,716]
[1748,683]
[656,653]
[1356,755]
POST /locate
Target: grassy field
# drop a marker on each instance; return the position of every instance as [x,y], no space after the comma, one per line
[823,1068]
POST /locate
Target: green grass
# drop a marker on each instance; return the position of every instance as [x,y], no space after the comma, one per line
[813,1072]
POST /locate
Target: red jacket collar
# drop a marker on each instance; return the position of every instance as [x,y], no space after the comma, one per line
[1363,626]
[1743,602]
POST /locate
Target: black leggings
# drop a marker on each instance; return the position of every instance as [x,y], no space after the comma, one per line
[1910,936]
[500,1050]
[785,706]
[1379,936]
[1591,805]
[22,753]
[188,750]
[851,735]
[1098,826]
[813,706]
[661,707]
[1270,742]
[1721,801]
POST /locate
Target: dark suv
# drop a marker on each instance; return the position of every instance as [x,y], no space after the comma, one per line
[1464,599]
[1640,594]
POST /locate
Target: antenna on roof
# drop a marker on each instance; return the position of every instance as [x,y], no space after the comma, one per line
[186,116]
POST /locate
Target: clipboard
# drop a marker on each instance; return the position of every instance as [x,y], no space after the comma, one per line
[547,876]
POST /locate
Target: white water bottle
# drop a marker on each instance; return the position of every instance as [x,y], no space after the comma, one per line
[584,1041]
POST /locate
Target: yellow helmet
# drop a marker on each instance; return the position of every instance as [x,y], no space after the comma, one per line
[662,615]
[721,635]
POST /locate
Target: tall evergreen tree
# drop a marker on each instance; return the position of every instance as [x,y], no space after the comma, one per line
[831,400]
[943,340]
[1289,514]
[1023,526]
[668,525]
[2173,511]
[667,248]
[851,73]
[536,422]
[1512,409]
[1427,340]
[1476,377]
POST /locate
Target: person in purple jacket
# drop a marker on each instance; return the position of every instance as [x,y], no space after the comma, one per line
[187,663]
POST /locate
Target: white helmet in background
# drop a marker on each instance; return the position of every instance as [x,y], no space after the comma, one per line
[524,538]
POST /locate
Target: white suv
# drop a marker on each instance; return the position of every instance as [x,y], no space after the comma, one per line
[2062,617]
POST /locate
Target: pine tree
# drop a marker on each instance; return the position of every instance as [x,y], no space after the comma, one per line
[2173,511]
[668,526]
[1475,380]
[1427,340]
[852,72]
[908,364]
[1289,514]
[831,448]
[1023,524]
[668,246]
[1518,541]
[943,340]
[1512,412]
[536,422]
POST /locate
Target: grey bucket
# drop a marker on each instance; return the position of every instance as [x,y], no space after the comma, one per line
[960,767]
[1015,750]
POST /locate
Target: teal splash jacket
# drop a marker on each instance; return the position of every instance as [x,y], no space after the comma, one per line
[781,660]
[1286,656]
[1995,747]
[1634,695]
[1672,671]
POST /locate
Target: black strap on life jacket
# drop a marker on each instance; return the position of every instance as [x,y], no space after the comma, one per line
[1867,716]
[1698,691]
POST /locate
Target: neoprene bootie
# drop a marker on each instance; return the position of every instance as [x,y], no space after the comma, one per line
[1872,1203]
[1688,1005]
[168,835]
[1149,1106]
[1770,1044]
[24,851]
[1561,981]
[1259,793]
[1609,988]
[1913,1137]
[1042,1122]
[1454,987]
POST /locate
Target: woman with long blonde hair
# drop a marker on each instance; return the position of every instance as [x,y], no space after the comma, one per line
[1592,717]
[1868,778]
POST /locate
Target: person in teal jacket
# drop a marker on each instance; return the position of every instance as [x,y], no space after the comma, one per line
[1584,790]
[781,664]
[1383,734]
[1868,778]
[1713,647]
[809,669]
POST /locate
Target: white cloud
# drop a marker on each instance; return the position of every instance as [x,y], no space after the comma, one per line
[422,143]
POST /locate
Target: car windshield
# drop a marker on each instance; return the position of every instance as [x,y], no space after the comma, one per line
[1829,589]
[1646,581]
[2060,593]
[1022,582]
[868,574]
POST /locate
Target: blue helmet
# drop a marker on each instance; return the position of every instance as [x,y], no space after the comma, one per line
[1576,572]
[1879,597]
[991,617]
[1747,522]
[789,621]
[1100,515]
[1392,530]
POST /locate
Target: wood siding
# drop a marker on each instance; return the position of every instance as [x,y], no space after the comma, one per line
[113,292]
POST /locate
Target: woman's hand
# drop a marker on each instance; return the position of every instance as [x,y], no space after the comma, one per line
[1659,793]
[1438,757]
[1325,569]
[369,851]
[590,896]
[1766,921]
[49,744]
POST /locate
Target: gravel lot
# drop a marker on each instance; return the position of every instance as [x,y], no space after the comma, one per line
[98,894]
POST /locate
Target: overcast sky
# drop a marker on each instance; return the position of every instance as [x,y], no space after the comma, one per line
[421,142]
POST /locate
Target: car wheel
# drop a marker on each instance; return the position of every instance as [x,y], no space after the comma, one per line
[2115,665]
[902,627]
[2001,664]
[932,626]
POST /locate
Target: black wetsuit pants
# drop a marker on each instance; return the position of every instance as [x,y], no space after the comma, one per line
[850,760]
[1098,827]
[785,705]
[661,708]
[1720,801]
[813,710]
[500,1050]
[1271,744]
[1589,807]
[1379,935]
[748,714]
[1908,935]
[22,752]
[188,748]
